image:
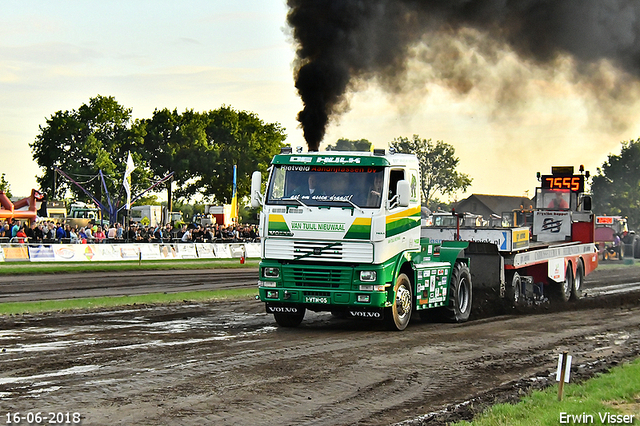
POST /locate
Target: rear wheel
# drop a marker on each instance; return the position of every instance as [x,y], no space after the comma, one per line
[564,289]
[460,298]
[289,320]
[514,289]
[576,289]
[397,317]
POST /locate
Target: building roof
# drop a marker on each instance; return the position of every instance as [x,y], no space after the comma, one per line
[497,204]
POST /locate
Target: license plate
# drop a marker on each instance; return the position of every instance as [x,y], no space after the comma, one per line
[316,299]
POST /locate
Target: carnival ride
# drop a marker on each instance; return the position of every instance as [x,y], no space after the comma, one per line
[25,209]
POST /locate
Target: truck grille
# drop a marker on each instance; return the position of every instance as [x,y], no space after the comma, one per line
[317,277]
[341,251]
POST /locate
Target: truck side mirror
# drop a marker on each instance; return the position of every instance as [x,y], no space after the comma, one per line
[404,193]
[586,203]
[256,184]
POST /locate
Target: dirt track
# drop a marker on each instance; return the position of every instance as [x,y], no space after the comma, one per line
[227,364]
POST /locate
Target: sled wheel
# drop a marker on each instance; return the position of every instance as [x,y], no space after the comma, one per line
[289,320]
[576,289]
[564,289]
[514,289]
[397,316]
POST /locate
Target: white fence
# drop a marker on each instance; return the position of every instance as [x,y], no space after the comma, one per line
[133,251]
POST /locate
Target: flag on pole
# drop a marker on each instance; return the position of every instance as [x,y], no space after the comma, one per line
[234,197]
[127,179]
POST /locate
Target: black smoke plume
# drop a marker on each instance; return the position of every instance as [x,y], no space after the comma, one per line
[342,43]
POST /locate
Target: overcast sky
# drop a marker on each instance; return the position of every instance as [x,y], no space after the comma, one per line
[55,56]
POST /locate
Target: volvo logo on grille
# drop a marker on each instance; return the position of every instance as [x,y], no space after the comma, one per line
[317,251]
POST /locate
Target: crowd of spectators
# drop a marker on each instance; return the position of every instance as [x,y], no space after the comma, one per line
[17,231]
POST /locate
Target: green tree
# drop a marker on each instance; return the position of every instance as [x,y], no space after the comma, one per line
[82,142]
[237,138]
[169,141]
[349,145]
[4,186]
[616,185]
[437,166]
[202,148]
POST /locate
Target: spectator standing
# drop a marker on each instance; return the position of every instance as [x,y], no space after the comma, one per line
[157,234]
[73,236]
[166,234]
[112,233]
[30,231]
[89,234]
[60,234]
[119,231]
[182,231]
[99,235]
[186,236]
[82,236]
[15,228]
[39,235]
[131,233]
[21,235]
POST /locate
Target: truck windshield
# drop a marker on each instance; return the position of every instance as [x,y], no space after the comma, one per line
[327,185]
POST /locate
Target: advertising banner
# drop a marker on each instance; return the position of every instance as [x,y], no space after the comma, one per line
[115,252]
[41,253]
[253,249]
[222,251]
[186,251]
[552,225]
[205,251]
[14,252]
[149,251]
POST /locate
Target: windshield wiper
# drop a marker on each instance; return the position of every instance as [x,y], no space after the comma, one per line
[345,200]
[295,199]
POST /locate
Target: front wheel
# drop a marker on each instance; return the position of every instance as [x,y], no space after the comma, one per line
[397,317]
[460,298]
[289,320]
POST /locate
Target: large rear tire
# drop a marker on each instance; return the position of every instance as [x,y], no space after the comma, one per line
[514,289]
[289,320]
[461,295]
[576,289]
[563,290]
[397,317]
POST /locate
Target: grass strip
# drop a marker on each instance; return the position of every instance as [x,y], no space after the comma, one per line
[604,399]
[17,308]
[26,268]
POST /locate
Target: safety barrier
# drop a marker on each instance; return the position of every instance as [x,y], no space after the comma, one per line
[133,251]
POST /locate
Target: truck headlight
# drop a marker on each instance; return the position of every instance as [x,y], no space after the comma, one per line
[267,284]
[368,276]
[270,272]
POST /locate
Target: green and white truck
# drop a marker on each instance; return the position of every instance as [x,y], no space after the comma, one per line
[341,233]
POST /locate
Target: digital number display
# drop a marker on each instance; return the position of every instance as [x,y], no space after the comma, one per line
[608,220]
[573,183]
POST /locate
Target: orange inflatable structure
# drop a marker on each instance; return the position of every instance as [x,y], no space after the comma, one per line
[25,209]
